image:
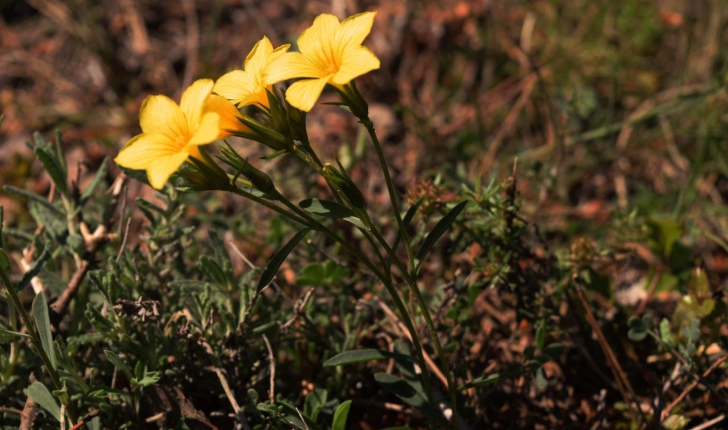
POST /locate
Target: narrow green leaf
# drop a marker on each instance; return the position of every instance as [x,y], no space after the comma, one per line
[2,215]
[342,412]
[363,355]
[33,197]
[406,221]
[275,263]
[43,322]
[4,332]
[409,395]
[40,394]
[98,178]
[331,209]
[440,228]
[274,155]
[314,403]
[34,269]
[541,336]
[4,263]
[481,382]
[60,154]
[116,361]
[54,169]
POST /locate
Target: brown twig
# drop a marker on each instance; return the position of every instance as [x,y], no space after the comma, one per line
[231,398]
[30,412]
[92,242]
[710,423]
[436,370]
[621,378]
[272,361]
[691,387]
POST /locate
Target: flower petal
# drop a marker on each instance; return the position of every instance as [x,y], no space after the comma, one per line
[192,100]
[159,172]
[145,149]
[208,131]
[235,86]
[227,115]
[257,59]
[161,115]
[319,36]
[292,65]
[356,62]
[303,94]
[352,32]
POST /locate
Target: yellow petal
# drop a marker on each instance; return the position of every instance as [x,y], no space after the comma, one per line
[292,65]
[258,56]
[235,86]
[316,40]
[208,131]
[227,115]
[159,172]
[145,149]
[356,62]
[303,94]
[352,32]
[192,100]
[161,115]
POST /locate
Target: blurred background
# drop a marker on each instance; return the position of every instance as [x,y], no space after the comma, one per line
[607,104]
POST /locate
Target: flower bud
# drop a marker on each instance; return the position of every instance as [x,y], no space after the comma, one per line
[257,178]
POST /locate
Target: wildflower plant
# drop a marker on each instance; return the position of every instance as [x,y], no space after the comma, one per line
[331,52]
[172,143]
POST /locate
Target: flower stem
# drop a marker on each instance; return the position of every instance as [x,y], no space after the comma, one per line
[315,225]
[369,125]
[412,283]
[35,339]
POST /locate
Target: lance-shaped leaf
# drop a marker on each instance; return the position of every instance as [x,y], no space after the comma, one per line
[40,394]
[406,221]
[440,228]
[43,322]
[116,361]
[331,209]
[34,197]
[409,395]
[481,382]
[98,178]
[34,269]
[54,168]
[275,263]
[363,355]
[342,412]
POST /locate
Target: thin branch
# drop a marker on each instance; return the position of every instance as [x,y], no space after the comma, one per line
[272,361]
[621,378]
[691,387]
[30,412]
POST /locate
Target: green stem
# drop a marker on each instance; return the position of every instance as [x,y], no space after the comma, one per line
[266,203]
[35,339]
[409,276]
[411,282]
[387,284]
[390,188]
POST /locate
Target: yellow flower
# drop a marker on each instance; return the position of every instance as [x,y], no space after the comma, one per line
[246,87]
[331,52]
[171,133]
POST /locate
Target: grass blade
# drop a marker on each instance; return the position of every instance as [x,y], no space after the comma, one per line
[280,256]
[440,228]
[43,322]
